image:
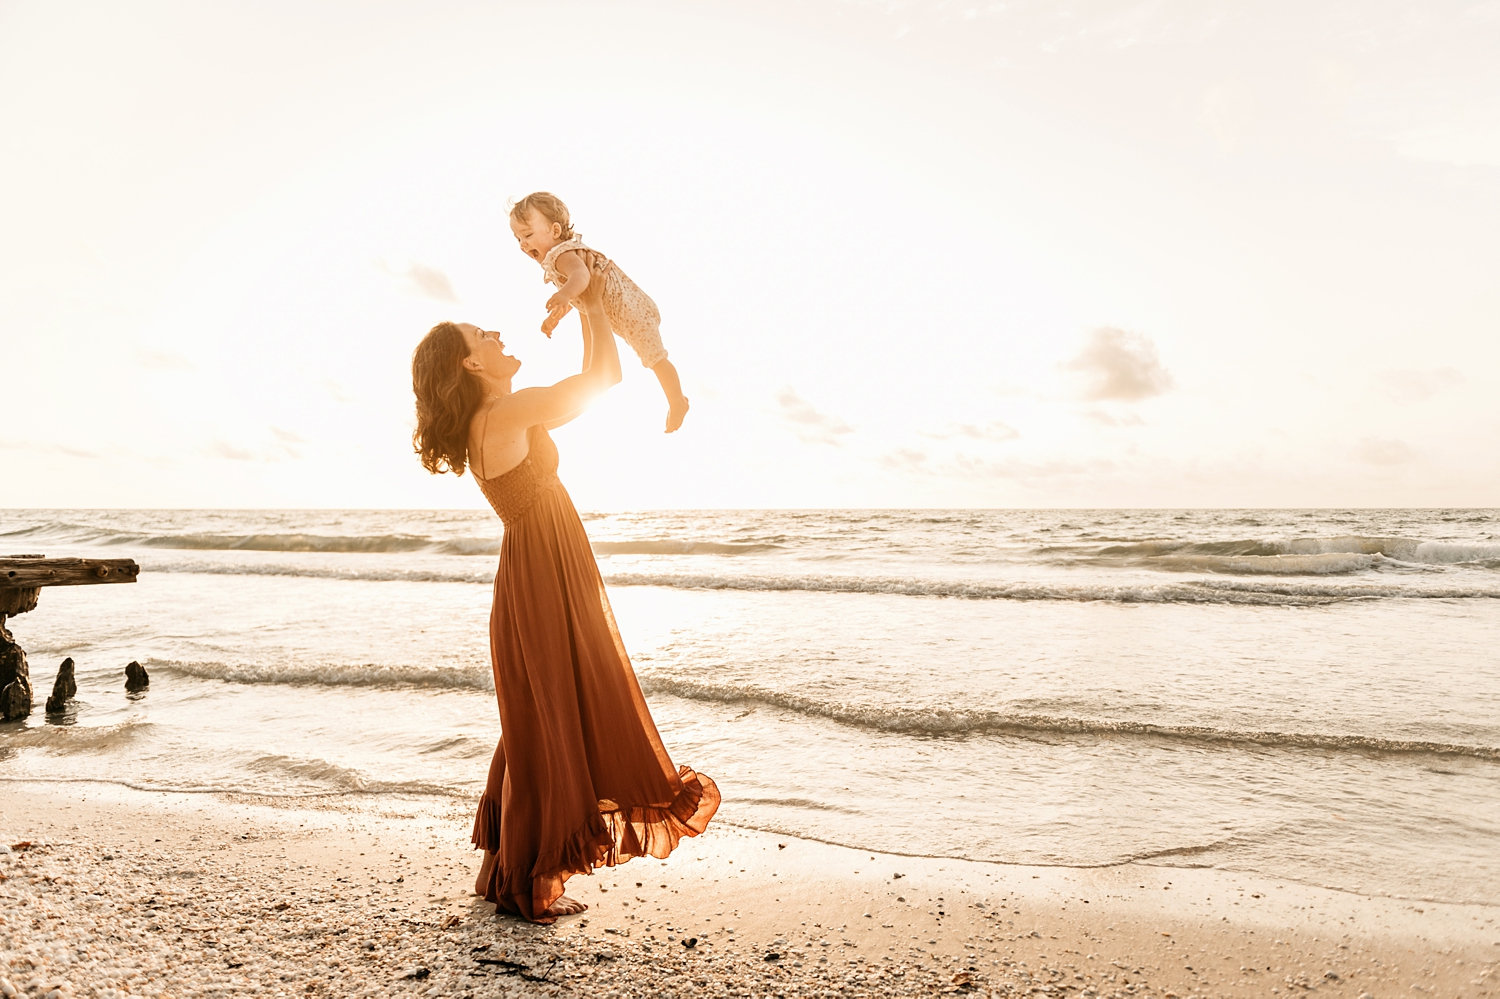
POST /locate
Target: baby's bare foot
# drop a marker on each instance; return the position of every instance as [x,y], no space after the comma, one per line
[675,413]
[565,906]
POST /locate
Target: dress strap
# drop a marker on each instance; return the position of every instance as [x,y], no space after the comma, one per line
[484,427]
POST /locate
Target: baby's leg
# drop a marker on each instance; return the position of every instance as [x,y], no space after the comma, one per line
[671,386]
[639,328]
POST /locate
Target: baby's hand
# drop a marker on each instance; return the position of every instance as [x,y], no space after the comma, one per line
[558,303]
[554,316]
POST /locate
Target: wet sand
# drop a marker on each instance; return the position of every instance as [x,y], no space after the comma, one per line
[112,892]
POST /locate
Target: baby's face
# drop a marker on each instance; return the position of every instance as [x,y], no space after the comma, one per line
[535,234]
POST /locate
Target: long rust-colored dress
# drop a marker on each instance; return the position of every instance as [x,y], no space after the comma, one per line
[580,778]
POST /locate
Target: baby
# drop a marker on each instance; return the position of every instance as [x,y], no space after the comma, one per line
[540,222]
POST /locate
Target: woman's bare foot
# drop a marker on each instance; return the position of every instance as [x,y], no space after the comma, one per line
[566,906]
[486,873]
[676,410]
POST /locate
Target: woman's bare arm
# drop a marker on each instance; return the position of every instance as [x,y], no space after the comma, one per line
[588,353]
[554,405]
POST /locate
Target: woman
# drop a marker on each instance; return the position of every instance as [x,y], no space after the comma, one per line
[580,779]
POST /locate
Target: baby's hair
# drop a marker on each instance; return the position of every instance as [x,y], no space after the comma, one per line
[549,206]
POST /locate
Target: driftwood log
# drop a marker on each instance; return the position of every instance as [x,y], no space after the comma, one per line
[21,580]
[64,688]
[135,677]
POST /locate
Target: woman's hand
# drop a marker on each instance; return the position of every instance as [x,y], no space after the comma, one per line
[591,298]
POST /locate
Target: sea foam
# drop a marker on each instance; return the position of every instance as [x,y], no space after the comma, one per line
[932,721]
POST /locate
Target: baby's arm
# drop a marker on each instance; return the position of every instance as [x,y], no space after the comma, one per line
[575,278]
[575,281]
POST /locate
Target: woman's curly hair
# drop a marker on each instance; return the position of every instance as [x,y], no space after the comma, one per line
[447,396]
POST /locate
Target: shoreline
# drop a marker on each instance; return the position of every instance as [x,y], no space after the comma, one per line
[141,893]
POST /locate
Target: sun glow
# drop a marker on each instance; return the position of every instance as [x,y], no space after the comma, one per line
[880,254]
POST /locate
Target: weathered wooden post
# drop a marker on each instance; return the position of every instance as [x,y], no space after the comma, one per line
[21,580]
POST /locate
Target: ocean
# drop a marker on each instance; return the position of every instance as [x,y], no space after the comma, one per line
[1311,695]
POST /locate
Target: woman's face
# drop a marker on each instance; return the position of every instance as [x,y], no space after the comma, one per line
[488,351]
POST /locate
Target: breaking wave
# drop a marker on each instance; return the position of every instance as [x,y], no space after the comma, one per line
[1347,553]
[930,721]
[75,738]
[327,777]
[914,720]
[372,675]
[675,547]
[375,544]
[1203,591]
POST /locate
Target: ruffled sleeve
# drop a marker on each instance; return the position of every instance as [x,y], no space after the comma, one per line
[596,261]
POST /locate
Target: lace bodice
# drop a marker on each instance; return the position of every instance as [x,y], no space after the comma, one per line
[513,492]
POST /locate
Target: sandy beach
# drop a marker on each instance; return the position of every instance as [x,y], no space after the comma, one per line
[111,892]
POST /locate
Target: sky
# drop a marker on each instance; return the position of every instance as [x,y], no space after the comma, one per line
[912,253]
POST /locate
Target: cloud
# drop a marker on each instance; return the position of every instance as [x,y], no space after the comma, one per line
[1022,470]
[54,448]
[286,443]
[1384,452]
[281,446]
[1108,419]
[429,282]
[995,430]
[904,459]
[972,467]
[1120,365]
[812,426]
[223,449]
[162,360]
[1418,386]
[1009,388]
[336,391]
